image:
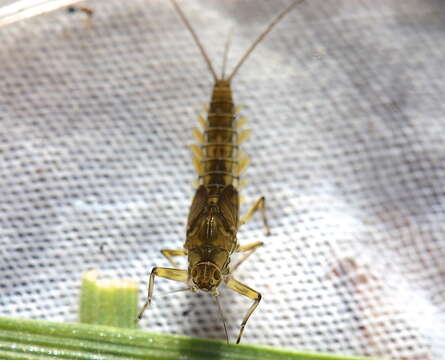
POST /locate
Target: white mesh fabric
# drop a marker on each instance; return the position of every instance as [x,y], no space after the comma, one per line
[345,100]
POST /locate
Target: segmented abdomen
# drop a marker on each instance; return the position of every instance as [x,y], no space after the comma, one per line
[218,160]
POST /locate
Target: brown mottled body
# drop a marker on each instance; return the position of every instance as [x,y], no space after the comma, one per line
[213,219]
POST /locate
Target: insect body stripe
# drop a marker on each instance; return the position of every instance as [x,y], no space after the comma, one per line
[211,172]
[220,128]
[235,146]
[220,159]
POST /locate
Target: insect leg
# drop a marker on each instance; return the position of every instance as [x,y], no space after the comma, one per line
[249,248]
[170,253]
[259,205]
[171,274]
[86,10]
[242,289]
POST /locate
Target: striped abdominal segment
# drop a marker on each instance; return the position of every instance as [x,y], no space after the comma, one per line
[217,159]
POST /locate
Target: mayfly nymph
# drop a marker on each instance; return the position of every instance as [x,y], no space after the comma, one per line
[213,220]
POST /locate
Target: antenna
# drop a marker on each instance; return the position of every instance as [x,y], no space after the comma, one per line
[262,36]
[222,317]
[226,53]
[195,37]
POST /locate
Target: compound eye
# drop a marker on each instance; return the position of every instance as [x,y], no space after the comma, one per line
[217,276]
[194,273]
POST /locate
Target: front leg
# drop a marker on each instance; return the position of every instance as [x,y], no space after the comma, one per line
[242,289]
[171,274]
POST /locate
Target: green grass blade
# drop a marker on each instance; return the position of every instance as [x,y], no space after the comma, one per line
[108,302]
[33,339]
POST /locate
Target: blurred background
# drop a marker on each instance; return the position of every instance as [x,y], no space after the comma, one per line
[345,102]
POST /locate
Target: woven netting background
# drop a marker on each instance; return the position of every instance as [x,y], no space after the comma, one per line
[346,103]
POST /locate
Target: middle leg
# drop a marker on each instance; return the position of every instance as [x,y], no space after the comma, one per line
[249,250]
[169,254]
[259,205]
